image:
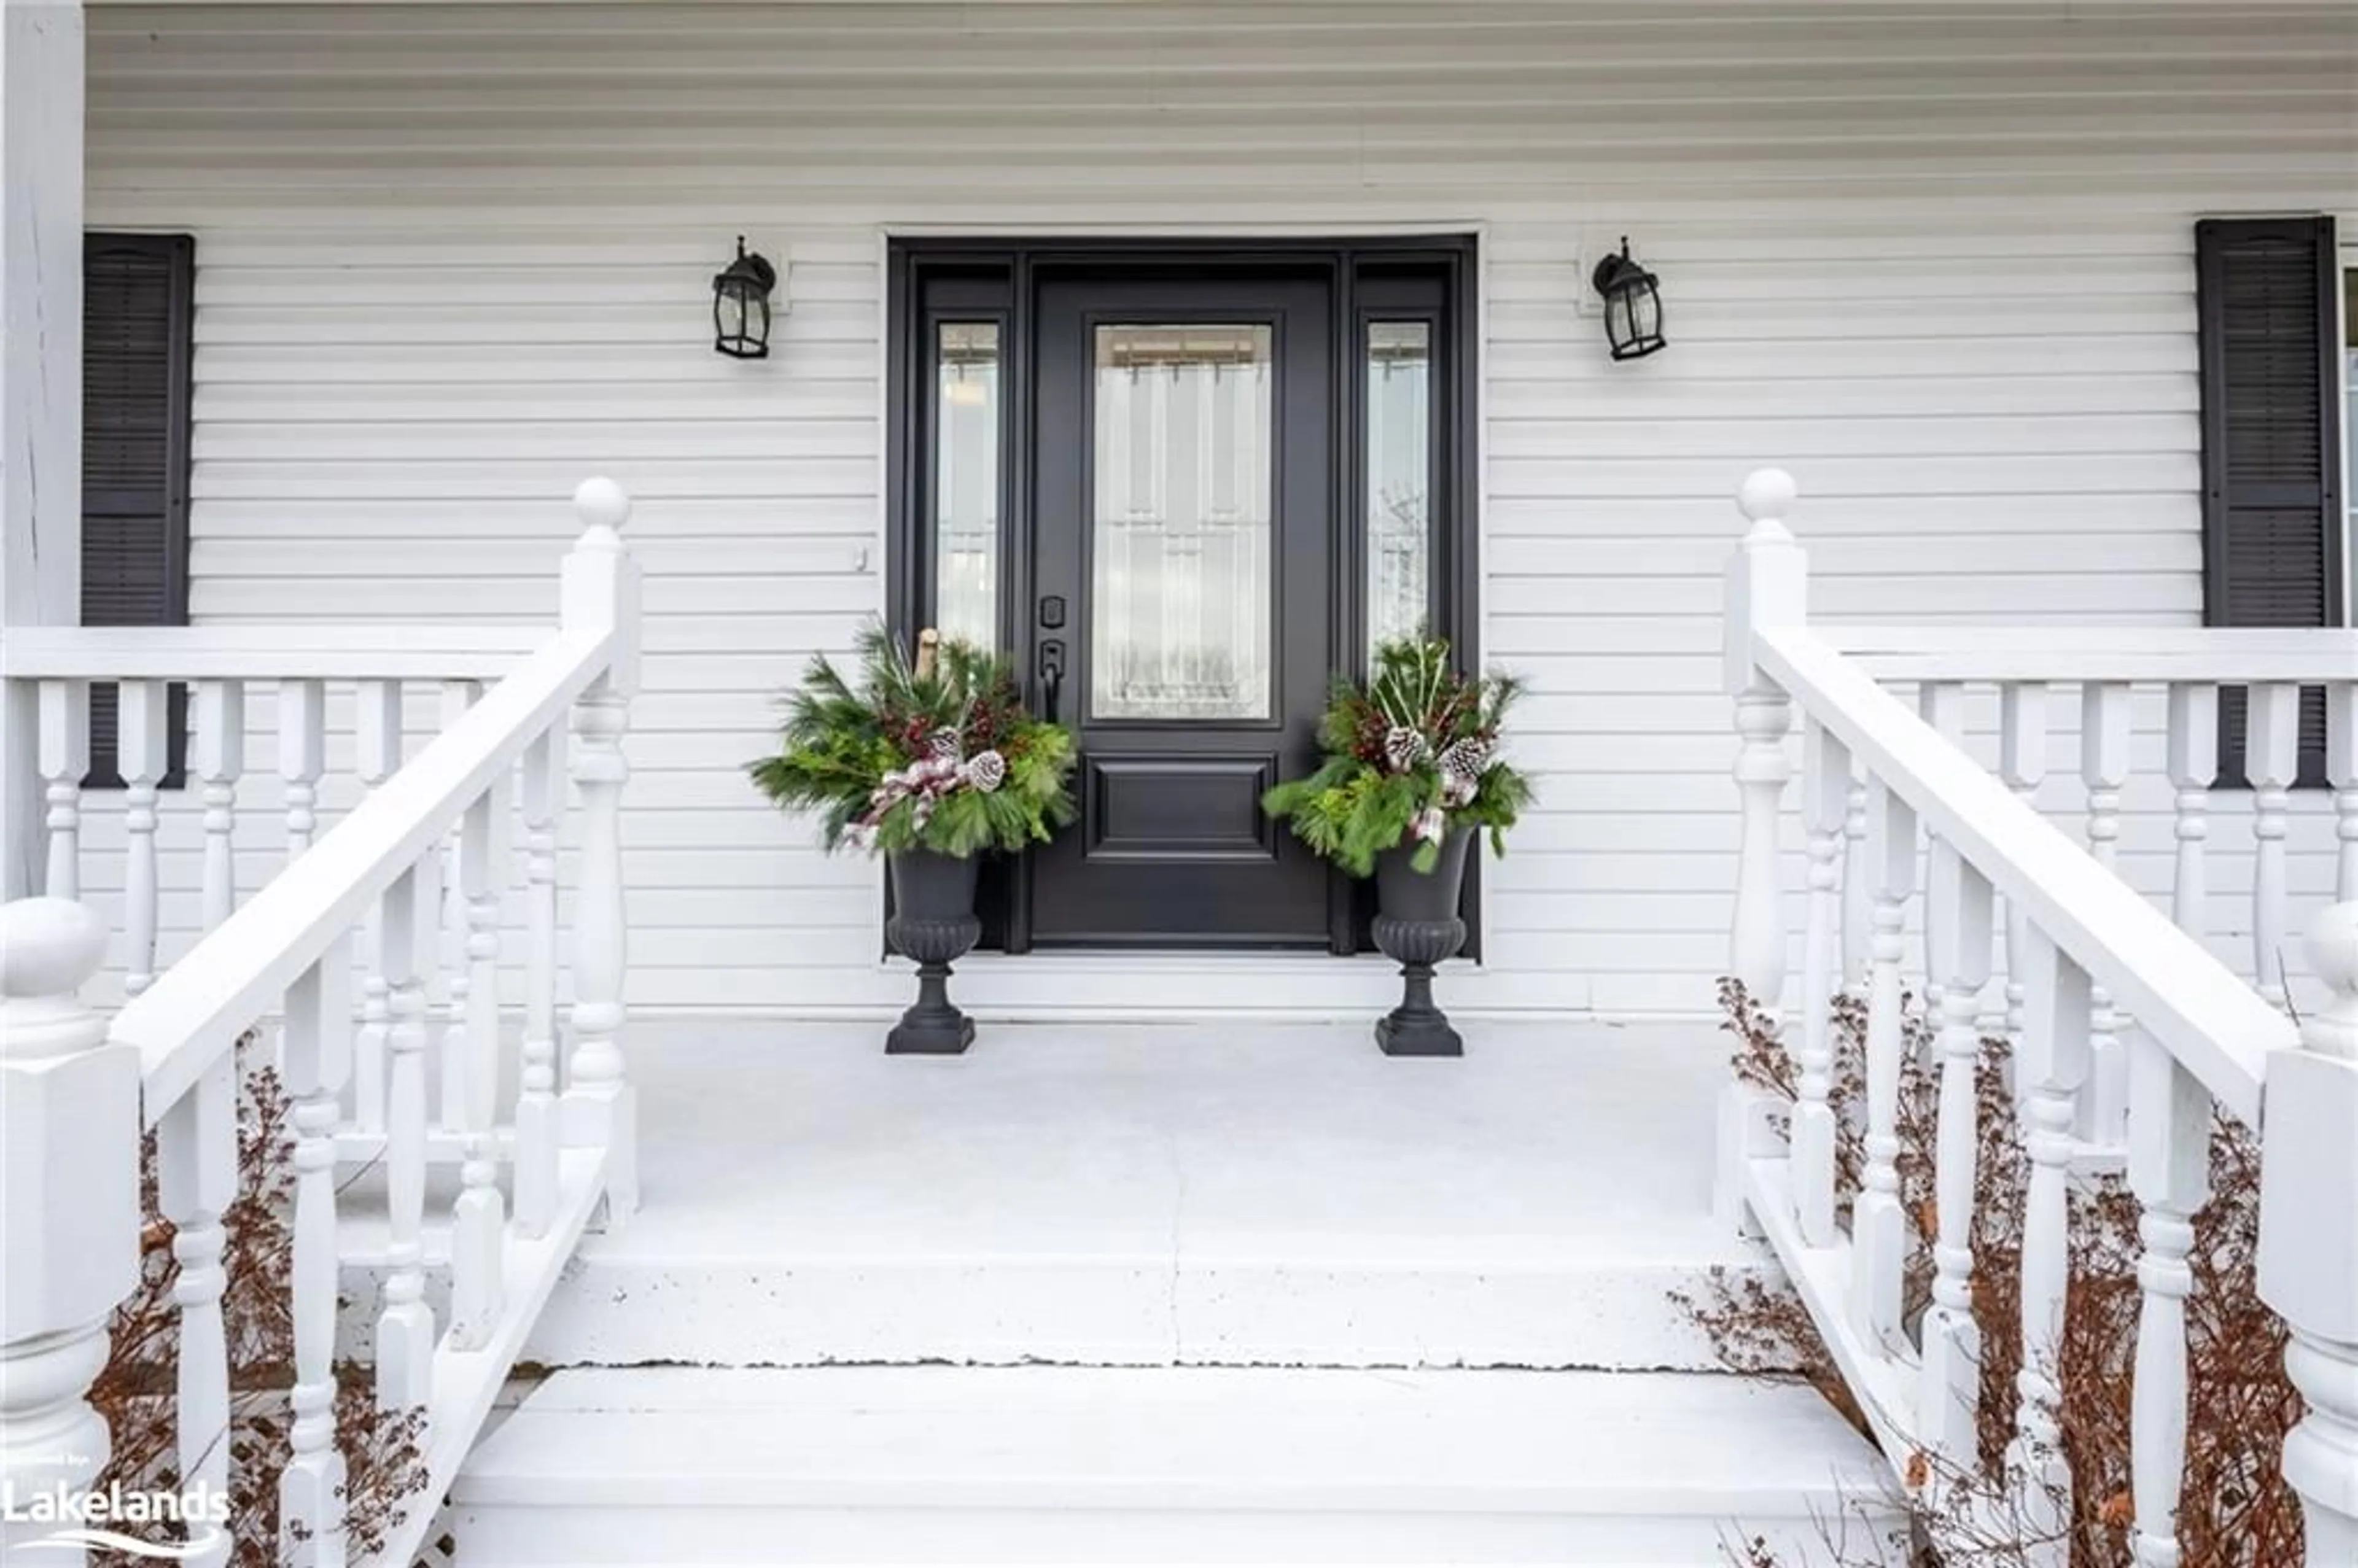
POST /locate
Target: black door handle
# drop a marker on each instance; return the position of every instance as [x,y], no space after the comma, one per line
[1052,675]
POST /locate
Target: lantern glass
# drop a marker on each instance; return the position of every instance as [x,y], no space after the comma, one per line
[1633,306]
[1646,313]
[740,306]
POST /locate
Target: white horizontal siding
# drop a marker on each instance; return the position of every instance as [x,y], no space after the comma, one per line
[451,259]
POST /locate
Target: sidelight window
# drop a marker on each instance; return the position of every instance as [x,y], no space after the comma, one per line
[966,481]
[1397,442]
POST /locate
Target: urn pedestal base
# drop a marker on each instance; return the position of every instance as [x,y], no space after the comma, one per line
[932,921]
[1417,923]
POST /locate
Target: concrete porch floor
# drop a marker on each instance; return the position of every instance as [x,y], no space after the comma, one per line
[1250,1192]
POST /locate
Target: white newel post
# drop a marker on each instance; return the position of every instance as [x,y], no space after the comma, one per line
[602,594]
[69,1205]
[2308,1238]
[1766,586]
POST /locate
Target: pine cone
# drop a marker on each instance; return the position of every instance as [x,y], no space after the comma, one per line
[1404,748]
[986,771]
[943,744]
[1465,759]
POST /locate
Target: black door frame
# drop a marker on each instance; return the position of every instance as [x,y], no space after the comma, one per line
[930,280]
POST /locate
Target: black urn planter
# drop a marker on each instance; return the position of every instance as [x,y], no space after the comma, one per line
[1416,924]
[932,921]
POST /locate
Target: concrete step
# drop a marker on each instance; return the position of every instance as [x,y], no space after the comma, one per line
[1276,1194]
[957,1464]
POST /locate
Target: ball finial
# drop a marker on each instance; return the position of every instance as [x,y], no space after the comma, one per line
[599,502]
[49,946]
[1768,494]
[2333,948]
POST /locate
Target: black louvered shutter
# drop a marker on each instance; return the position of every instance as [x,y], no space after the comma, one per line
[138,309]
[2266,290]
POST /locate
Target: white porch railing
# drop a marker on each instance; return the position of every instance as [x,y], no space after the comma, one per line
[78,1089]
[2126,1028]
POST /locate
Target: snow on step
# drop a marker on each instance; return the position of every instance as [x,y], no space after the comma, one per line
[1234,1194]
[1043,1464]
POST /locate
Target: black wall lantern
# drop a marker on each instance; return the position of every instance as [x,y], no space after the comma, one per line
[1633,306]
[741,306]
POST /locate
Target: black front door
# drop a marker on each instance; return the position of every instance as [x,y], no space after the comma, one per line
[1181,597]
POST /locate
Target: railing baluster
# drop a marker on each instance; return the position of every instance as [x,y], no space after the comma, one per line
[64,759]
[2054,1067]
[377,723]
[318,1058]
[1951,1345]
[2271,759]
[2022,764]
[220,759]
[1942,705]
[405,1339]
[2193,764]
[1858,890]
[2341,771]
[302,756]
[1879,1228]
[2104,768]
[450,952]
[1826,782]
[139,753]
[537,1132]
[2170,1156]
[196,1180]
[480,1215]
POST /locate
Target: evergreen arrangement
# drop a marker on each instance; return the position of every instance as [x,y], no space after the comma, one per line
[1413,754]
[933,754]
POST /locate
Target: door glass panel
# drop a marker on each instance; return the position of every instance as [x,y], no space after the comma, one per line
[1399,457]
[965,483]
[1180,537]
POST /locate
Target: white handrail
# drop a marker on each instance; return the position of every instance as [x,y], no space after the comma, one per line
[2121,1030]
[426,651]
[2217,656]
[2187,1001]
[196,1009]
[78,1089]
